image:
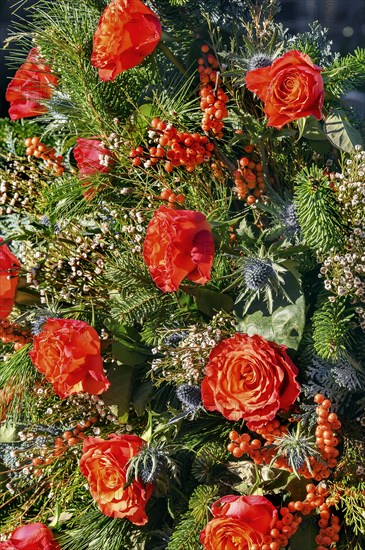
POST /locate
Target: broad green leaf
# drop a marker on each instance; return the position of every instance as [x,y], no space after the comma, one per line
[284,326]
[313,130]
[141,396]
[8,433]
[210,302]
[126,355]
[118,396]
[340,132]
[304,538]
[301,125]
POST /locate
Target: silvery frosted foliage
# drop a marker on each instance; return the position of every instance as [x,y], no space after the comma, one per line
[335,380]
[290,220]
[258,60]
[317,39]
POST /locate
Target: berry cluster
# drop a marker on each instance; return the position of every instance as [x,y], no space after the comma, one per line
[35,148]
[213,98]
[283,529]
[327,423]
[318,464]
[11,332]
[248,178]
[318,498]
[173,147]
[169,196]
[68,439]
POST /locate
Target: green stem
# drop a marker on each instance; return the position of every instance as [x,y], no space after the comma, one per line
[166,51]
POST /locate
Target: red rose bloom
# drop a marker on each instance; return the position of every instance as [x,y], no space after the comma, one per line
[32,81]
[239,522]
[88,154]
[291,88]
[9,269]
[34,536]
[248,377]
[127,32]
[67,352]
[178,244]
[104,463]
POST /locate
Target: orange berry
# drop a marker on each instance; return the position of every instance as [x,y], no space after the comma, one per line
[237,452]
[233,435]
[204,48]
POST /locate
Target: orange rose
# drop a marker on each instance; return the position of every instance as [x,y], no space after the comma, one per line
[178,244]
[104,463]
[248,377]
[291,88]
[67,352]
[9,268]
[239,522]
[32,82]
[127,32]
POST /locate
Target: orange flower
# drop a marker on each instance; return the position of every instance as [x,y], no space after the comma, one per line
[239,522]
[32,82]
[67,352]
[178,244]
[127,32]
[9,268]
[249,378]
[291,88]
[104,463]
[89,154]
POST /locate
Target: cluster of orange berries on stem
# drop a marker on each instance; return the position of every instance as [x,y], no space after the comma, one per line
[280,534]
[11,332]
[248,178]
[174,148]
[244,444]
[318,498]
[213,98]
[169,196]
[69,438]
[266,453]
[35,148]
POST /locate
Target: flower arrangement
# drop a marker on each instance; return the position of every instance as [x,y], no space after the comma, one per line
[181,282]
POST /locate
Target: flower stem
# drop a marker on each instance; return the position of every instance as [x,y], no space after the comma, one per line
[168,53]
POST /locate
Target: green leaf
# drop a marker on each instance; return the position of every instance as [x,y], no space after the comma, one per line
[284,326]
[118,396]
[141,396]
[8,433]
[304,538]
[126,355]
[209,301]
[340,132]
[313,130]
[301,125]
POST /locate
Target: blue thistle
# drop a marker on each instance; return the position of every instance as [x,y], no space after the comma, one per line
[190,396]
[259,60]
[257,273]
[45,221]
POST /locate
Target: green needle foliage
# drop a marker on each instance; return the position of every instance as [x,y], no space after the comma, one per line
[318,212]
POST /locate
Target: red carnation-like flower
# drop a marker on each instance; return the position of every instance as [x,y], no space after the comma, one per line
[9,269]
[89,155]
[104,463]
[249,378]
[238,522]
[92,158]
[67,352]
[32,82]
[34,536]
[291,88]
[178,244]
[127,32]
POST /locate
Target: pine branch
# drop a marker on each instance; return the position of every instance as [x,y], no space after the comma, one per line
[332,329]
[345,73]
[318,212]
